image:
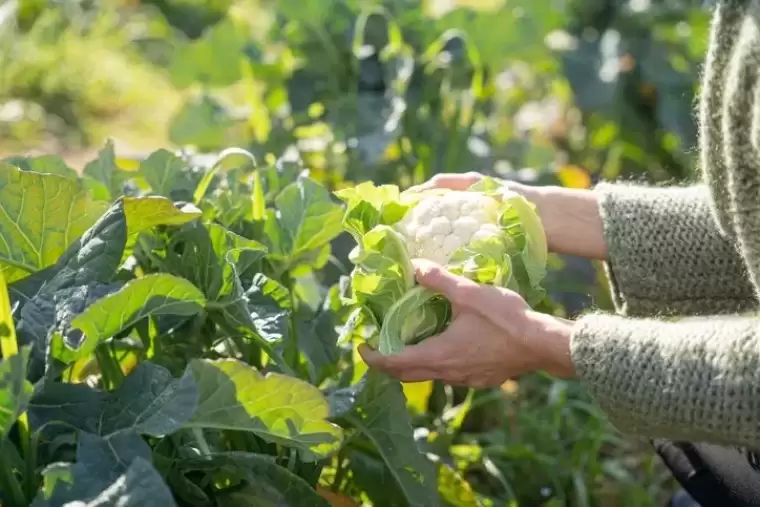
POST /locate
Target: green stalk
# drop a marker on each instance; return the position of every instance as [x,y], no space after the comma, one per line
[292,352]
[8,348]
[10,483]
[107,368]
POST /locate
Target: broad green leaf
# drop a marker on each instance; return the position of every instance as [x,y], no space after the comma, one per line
[109,457]
[276,407]
[380,415]
[145,213]
[77,405]
[152,295]
[267,484]
[210,256]
[41,215]
[161,170]
[202,122]
[103,174]
[306,220]
[15,390]
[213,59]
[149,402]
[52,164]
[139,486]
[368,205]
[370,473]
[268,305]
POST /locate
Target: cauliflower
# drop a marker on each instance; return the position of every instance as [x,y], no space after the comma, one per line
[485,233]
[440,224]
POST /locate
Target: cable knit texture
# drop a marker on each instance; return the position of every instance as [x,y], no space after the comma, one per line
[691,255]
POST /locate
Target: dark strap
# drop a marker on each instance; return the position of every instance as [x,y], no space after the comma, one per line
[714,476]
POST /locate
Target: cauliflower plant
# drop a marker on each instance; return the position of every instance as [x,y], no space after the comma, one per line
[486,233]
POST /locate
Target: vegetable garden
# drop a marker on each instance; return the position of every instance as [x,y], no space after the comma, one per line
[179,327]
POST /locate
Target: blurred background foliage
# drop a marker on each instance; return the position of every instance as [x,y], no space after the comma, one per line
[543,91]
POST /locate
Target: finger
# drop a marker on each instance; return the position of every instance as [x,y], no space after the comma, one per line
[415,361]
[457,289]
[494,303]
[457,181]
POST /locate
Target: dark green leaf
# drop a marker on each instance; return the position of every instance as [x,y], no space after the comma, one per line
[103,175]
[161,170]
[139,486]
[149,401]
[380,415]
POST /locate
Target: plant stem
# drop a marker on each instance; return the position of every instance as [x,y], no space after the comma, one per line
[10,483]
[291,353]
[9,348]
[340,472]
[105,361]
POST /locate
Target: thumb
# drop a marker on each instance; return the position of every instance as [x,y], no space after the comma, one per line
[457,289]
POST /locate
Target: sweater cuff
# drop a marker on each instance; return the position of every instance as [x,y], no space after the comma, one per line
[694,379]
[667,254]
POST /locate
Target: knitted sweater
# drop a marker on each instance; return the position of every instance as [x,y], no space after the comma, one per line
[682,360]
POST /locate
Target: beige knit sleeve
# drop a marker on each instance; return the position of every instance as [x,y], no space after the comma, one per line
[696,379]
[667,254]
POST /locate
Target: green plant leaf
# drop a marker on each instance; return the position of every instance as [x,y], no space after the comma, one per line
[41,215]
[104,177]
[15,390]
[161,170]
[211,257]
[275,407]
[380,415]
[306,220]
[266,482]
[149,402]
[202,122]
[52,164]
[139,486]
[368,205]
[151,295]
[214,59]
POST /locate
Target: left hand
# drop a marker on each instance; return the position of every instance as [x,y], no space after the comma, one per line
[494,336]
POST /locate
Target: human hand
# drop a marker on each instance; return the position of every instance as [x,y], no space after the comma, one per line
[493,336]
[571,218]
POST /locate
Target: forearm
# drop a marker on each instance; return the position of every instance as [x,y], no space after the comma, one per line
[664,251]
[572,220]
[695,380]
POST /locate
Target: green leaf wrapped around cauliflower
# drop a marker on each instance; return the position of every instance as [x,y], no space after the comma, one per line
[486,233]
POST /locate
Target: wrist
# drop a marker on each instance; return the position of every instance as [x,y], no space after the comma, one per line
[552,337]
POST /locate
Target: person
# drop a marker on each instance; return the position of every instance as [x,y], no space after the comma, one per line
[679,361]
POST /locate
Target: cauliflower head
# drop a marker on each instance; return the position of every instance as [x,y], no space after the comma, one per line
[441,223]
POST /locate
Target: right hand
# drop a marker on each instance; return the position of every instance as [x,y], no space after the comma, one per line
[570,217]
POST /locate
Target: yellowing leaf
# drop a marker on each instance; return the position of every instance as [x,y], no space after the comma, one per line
[275,407]
[572,176]
[417,395]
